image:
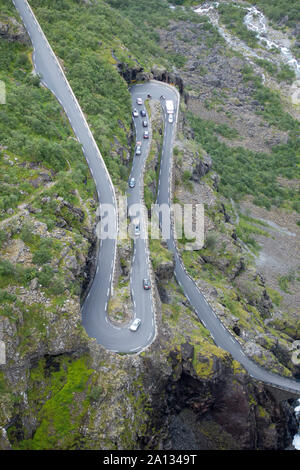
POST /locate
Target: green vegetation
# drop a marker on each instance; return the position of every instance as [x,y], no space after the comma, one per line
[275,296]
[287,279]
[212,37]
[6,297]
[184,2]
[186,180]
[36,138]
[152,168]
[30,122]
[159,253]
[152,14]
[40,162]
[278,9]
[3,237]
[91,70]
[233,17]
[284,73]
[15,274]
[270,100]
[43,253]
[7,8]
[42,166]
[246,172]
[246,228]
[54,390]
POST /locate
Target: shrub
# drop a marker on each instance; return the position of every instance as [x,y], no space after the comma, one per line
[3,237]
[210,241]
[43,254]
[26,234]
[6,268]
[6,297]
[45,276]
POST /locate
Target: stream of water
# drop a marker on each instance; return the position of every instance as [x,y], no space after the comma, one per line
[271,39]
[296,441]
[257,22]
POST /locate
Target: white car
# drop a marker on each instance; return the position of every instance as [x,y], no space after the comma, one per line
[135,324]
[139,101]
[135,113]
[132,183]
[170,118]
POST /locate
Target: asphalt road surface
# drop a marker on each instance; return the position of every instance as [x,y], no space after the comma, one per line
[94,310]
[95,307]
[221,336]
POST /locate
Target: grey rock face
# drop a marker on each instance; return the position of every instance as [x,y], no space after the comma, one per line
[11,30]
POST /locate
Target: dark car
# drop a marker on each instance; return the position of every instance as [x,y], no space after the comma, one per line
[146,134]
[145,124]
[137,230]
[143,113]
[132,183]
[146,284]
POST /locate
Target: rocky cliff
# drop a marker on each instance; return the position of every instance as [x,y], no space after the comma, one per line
[59,389]
[182,393]
[12,30]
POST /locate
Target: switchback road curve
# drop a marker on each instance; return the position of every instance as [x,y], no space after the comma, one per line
[221,336]
[94,310]
[95,307]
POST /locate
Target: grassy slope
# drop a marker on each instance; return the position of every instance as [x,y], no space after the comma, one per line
[244,172]
[34,129]
[36,139]
[278,9]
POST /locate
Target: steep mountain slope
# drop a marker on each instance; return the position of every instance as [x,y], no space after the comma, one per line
[253,143]
[59,389]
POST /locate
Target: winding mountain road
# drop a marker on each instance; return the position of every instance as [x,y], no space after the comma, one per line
[221,336]
[94,310]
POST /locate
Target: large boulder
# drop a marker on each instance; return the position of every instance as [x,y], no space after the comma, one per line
[11,30]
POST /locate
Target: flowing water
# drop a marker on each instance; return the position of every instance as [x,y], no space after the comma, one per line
[272,40]
[296,441]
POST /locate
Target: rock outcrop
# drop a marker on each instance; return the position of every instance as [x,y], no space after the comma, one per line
[226,410]
[11,30]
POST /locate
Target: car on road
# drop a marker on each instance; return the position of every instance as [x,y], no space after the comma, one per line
[137,230]
[135,324]
[146,134]
[170,118]
[143,113]
[132,183]
[139,101]
[138,149]
[146,284]
[135,113]
[145,123]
